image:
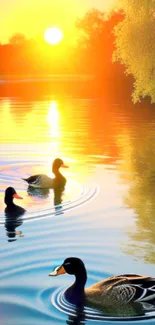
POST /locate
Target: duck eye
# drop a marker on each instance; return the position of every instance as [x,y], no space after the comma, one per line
[67,263]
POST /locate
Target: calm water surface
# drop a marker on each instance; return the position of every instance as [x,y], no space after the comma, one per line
[106,216]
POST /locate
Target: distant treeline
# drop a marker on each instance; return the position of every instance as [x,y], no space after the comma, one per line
[92,55]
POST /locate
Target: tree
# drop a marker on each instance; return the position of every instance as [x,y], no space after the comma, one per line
[135,46]
[17,39]
[96,42]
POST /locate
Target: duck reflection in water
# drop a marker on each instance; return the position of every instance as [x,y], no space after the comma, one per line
[42,193]
[13,214]
[58,193]
[130,312]
[78,318]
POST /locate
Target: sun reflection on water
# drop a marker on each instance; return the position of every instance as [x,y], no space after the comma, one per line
[45,129]
[53,119]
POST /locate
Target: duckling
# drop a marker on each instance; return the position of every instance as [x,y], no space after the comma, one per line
[116,290]
[43,181]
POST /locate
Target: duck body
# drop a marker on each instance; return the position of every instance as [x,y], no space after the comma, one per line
[40,181]
[14,211]
[122,290]
[118,290]
[32,179]
[43,181]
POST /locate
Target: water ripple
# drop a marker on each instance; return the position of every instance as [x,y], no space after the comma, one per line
[75,195]
[59,302]
[50,304]
[44,300]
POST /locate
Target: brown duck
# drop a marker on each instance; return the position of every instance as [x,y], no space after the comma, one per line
[43,181]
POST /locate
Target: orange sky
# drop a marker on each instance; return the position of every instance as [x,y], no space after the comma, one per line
[32,17]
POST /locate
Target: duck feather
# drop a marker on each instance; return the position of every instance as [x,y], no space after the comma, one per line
[122,289]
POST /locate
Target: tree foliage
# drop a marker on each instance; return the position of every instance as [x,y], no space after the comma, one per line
[135,45]
[96,41]
[32,56]
[17,39]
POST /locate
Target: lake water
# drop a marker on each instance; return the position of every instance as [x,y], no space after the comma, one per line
[106,217]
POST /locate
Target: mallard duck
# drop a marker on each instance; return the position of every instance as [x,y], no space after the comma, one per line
[43,181]
[116,290]
[12,210]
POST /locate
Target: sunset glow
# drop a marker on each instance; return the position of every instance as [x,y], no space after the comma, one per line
[18,17]
[53,35]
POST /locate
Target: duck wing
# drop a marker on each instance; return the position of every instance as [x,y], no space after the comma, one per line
[43,181]
[122,289]
[144,285]
[32,179]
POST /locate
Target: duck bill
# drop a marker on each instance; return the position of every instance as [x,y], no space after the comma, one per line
[64,166]
[58,271]
[16,196]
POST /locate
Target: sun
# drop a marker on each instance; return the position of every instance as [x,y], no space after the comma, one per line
[53,35]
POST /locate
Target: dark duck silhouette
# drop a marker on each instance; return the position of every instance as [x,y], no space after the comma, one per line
[122,290]
[12,209]
[44,182]
[13,214]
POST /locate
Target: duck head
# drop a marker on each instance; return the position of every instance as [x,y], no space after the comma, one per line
[74,266]
[11,194]
[57,163]
[71,265]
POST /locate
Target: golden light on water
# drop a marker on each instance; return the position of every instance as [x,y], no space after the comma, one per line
[45,129]
[29,125]
[53,119]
